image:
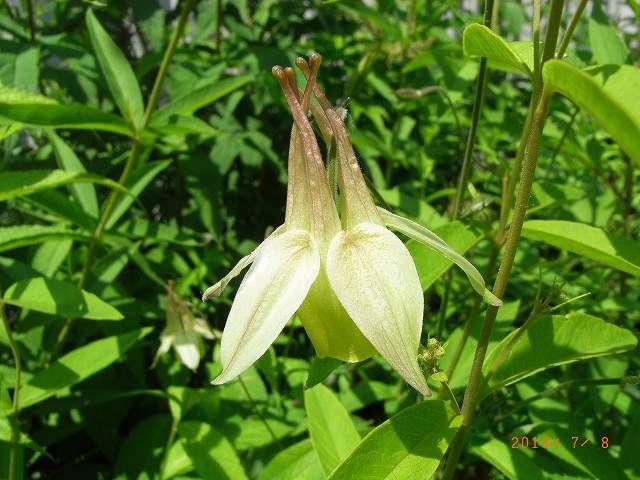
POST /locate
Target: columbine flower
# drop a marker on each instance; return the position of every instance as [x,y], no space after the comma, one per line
[352,282]
[183,331]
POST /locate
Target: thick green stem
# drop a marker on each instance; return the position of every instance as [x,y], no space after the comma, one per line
[134,154]
[32,23]
[13,420]
[476,378]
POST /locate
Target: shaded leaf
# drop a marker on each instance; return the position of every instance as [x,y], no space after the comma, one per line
[298,461]
[480,41]
[21,235]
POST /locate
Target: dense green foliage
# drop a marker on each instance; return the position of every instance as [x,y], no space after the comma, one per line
[122,202]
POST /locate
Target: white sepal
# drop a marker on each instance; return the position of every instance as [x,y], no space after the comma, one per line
[270,293]
[429,239]
[375,279]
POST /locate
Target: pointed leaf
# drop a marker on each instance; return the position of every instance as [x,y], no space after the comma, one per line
[606,45]
[608,93]
[373,276]
[331,430]
[408,446]
[20,183]
[512,462]
[320,369]
[67,160]
[270,293]
[480,41]
[117,72]
[22,235]
[77,365]
[555,340]
[590,242]
[298,461]
[211,454]
[59,298]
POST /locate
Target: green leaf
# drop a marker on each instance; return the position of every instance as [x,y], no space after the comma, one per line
[77,365]
[408,446]
[64,116]
[22,235]
[320,369]
[431,265]
[480,41]
[510,461]
[555,340]
[182,125]
[298,461]
[331,430]
[211,453]
[135,185]
[117,72]
[590,242]
[25,182]
[609,93]
[192,101]
[67,160]
[606,45]
[59,298]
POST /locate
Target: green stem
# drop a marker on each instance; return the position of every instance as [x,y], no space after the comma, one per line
[255,408]
[167,448]
[475,385]
[32,23]
[564,43]
[134,154]
[14,422]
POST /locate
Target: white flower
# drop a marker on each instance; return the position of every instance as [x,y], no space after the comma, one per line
[352,282]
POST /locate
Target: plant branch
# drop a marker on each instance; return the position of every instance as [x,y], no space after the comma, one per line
[566,38]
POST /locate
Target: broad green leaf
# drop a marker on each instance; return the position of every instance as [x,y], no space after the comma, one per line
[554,340]
[192,101]
[22,235]
[606,45]
[135,185]
[609,93]
[298,461]
[64,116]
[117,72]
[320,369]
[590,242]
[408,446]
[331,430]
[595,462]
[430,264]
[178,462]
[85,194]
[514,464]
[25,182]
[50,255]
[480,41]
[59,298]
[77,365]
[211,453]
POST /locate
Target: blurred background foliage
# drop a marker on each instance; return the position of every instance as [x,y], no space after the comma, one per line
[205,196]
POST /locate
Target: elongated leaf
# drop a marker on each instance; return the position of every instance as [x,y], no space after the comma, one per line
[408,446]
[608,93]
[331,430]
[480,41]
[22,235]
[320,369]
[510,461]
[136,184]
[590,242]
[60,205]
[192,101]
[211,453]
[64,116]
[182,125]
[85,194]
[298,461]
[78,365]
[555,340]
[606,45]
[59,298]
[117,72]
[19,183]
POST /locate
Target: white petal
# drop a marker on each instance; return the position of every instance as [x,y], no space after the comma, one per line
[186,346]
[166,339]
[271,292]
[431,240]
[373,275]
[244,262]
